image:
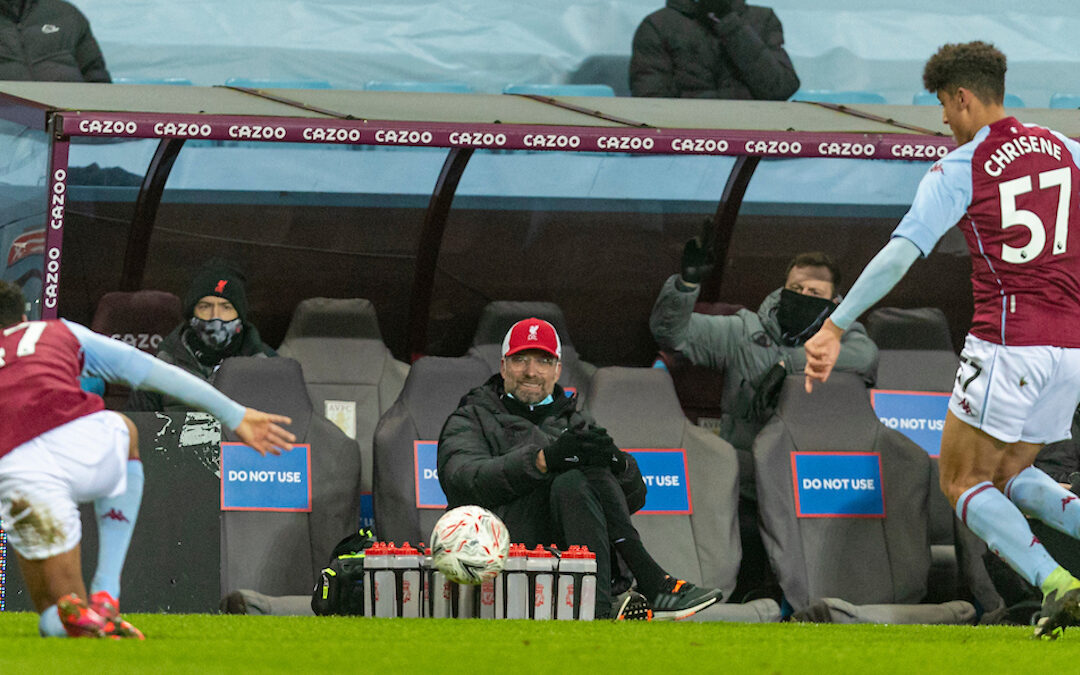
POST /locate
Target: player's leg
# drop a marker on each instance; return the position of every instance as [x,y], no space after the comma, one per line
[55,586]
[1040,496]
[1037,494]
[42,523]
[116,513]
[969,462]
[49,579]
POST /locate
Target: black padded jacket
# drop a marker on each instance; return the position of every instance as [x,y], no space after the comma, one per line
[176,349]
[49,41]
[487,454]
[676,55]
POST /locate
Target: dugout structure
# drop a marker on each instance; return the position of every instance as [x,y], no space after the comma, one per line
[38,122]
[461,123]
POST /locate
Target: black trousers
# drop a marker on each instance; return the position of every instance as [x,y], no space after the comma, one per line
[582,506]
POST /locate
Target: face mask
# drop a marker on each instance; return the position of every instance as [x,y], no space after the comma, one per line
[800,316]
[216,333]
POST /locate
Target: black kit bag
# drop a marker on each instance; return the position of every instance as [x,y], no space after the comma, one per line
[340,587]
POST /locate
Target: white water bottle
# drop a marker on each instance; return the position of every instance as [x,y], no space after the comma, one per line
[512,586]
[407,571]
[437,591]
[487,599]
[468,600]
[376,564]
[576,590]
[540,565]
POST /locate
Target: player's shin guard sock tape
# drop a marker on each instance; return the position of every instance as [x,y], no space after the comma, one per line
[1042,497]
[116,522]
[998,522]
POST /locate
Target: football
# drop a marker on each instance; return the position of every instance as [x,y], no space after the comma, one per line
[469,545]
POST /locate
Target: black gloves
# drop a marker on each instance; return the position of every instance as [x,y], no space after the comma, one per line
[567,452]
[591,446]
[607,453]
[697,262]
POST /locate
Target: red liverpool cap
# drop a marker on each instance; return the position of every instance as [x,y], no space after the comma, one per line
[532,333]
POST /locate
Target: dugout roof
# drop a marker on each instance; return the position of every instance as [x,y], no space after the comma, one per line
[750,130]
[33,103]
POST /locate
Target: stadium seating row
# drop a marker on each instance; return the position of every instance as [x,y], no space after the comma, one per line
[336,366]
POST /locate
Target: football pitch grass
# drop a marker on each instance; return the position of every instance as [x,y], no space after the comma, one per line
[204,643]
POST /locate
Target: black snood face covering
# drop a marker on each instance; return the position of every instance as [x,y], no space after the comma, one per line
[800,316]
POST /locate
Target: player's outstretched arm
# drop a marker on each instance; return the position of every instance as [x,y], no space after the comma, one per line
[261,431]
[880,275]
[822,350]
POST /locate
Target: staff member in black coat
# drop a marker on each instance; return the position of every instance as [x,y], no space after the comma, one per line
[711,49]
[48,41]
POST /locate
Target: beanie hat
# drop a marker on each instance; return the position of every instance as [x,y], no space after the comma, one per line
[532,333]
[220,279]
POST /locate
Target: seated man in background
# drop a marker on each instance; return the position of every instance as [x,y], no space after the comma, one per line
[517,445]
[59,447]
[711,49]
[216,328]
[757,351]
[48,41]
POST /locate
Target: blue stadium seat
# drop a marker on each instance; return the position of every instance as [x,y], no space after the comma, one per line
[436,87]
[560,89]
[180,81]
[257,83]
[845,97]
[1065,100]
[1013,101]
[926,98]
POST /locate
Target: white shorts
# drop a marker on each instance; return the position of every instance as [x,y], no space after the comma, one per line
[43,481]
[1017,393]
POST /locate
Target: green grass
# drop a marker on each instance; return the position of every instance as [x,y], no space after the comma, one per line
[201,643]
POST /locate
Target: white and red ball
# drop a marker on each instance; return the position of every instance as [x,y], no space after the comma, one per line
[469,545]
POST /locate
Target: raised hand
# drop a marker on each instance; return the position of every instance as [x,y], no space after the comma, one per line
[262,431]
[822,351]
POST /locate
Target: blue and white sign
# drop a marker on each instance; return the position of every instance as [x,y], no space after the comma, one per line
[664,472]
[429,494]
[254,482]
[919,415]
[838,484]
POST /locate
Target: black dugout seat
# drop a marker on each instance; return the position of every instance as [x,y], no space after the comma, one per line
[282,553]
[138,318]
[432,391]
[915,350]
[639,409]
[856,557]
[350,374]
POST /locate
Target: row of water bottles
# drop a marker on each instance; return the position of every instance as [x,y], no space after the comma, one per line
[539,583]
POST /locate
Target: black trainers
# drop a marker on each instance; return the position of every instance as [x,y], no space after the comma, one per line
[634,608]
[682,600]
[1057,613]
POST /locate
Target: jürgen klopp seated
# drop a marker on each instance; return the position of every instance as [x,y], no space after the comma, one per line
[518,445]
